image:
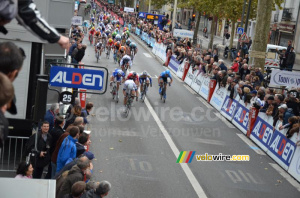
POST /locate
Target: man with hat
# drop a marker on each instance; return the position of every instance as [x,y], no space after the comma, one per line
[269,102]
[254,96]
[287,113]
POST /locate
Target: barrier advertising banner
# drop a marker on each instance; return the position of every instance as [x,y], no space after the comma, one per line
[183,33]
[285,78]
[82,96]
[281,149]
[241,117]
[180,70]
[228,108]
[294,168]
[174,64]
[189,77]
[197,82]
[204,90]
[262,132]
[218,97]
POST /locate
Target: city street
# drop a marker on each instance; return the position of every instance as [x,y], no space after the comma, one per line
[138,154]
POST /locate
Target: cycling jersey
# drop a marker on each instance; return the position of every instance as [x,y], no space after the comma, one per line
[92,32]
[99,45]
[163,75]
[145,77]
[117,45]
[92,19]
[126,59]
[132,45]
[115,75]
[130,76]
[122,48]
[129,85]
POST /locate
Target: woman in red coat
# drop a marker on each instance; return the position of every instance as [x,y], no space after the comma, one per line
[235,66]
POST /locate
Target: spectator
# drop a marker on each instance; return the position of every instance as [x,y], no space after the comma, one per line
[287,113]
[244,71]
[215,72]
[51,115]
[215,55]
[81,144]
[234,90]
[56,132]
[293,103]
[44,141]
[254,97]
[77,190]
[269,102]
[91,185]
[73,46]
[290,60]
[29,16]
[222,80]
[76,103]
[101,191]
[235,66]
[67,149]
[76,112]
[283,58]
[24,170]
[76,173]
[259,74]
[88,108]
[222,65]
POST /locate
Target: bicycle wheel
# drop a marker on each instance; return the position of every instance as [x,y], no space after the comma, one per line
[97,56]
[113,92]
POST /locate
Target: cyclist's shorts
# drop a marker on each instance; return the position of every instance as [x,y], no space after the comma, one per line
[142,79]
[165,79]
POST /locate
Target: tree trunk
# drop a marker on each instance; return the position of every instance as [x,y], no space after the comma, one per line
[262,29]
[231,37]
[212,32]
[196,28]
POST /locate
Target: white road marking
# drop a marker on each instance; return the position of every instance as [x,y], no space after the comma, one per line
[191,177]
[190,89]
[284,174]
[204,102]
[208,141]
[156,76]
[147,55]
[247,141]
[224,120]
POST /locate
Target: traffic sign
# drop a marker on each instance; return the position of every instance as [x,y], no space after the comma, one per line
[240,30]
[244,38]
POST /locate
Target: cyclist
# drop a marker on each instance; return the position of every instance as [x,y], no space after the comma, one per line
[128,41]
[97,36]
[129,89]
[85,25]
[135,77]
[104,40]
[109,44]
[98,46]
[118,37]
[117,76]
[133,49]
[91,34]
[145,77]
[125,61]
[114,34]
[163,78]
[92,19]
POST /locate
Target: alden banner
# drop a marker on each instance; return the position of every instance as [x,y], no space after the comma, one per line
[285,78]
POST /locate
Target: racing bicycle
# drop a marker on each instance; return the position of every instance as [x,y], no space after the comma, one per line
[163,94]
[97,54]
[128,104]
[115,93]
[132,54]
[145,89]
[125,68]
[108,52]
[91,39]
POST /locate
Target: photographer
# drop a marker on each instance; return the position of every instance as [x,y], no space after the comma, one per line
[42,154]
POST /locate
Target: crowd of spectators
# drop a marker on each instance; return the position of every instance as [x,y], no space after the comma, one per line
[243,81]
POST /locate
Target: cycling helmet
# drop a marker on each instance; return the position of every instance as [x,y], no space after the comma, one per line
[120,72]
[145,73]
[118,37]
[128,41]
[118,43]
[132,44]
[93,28]
[134,73]
[110,40]
[168,72]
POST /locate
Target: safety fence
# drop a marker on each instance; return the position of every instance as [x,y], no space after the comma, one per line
[256,125]
[11,154]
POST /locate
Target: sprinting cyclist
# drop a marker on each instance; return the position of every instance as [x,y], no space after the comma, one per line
[125,61]
[110,44]
[117,76]
[135,77]
[133,49]
[145,77]
[129,89]
[91,34]
[163,78]
[99,46]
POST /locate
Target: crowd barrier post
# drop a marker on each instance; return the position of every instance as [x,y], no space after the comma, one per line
[253,113]
[185,68]
[212,86]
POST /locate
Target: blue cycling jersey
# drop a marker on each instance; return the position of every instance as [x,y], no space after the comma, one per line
[115,74]
[143,77]
[163,75]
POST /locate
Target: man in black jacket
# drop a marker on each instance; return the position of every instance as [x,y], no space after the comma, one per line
[290,60]
[42,155]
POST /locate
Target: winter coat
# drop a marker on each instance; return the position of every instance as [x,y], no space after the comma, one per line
[80,54]
[50,117]
[90,194]
[42,145]
[57,147]
[74,175]
[287,114]
[56,132]
[291,58]
[67,150]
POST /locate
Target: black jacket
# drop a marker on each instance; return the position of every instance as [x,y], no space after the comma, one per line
[291,58]
[80,54]
[42,145]
[56,132]
[90,194]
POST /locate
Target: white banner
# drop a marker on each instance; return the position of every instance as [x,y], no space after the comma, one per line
[197,82]
[189,77]
[180,70]
[183,33]
[294,168]
[127,9]
[204,90]
[218,97]
[285,78]
[77,20]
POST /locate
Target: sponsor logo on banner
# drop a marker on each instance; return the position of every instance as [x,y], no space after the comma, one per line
[76,78]
[77,20]
[127,9]
[241,117]
[229,107]
[285,78]
[204,90]
[262,133]
[218,98]
[183,33]
[174,64]
[282,149]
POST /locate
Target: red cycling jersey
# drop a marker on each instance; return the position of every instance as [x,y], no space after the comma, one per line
[130,76]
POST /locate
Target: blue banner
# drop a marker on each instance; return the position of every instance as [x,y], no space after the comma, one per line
[241,116]
[229,106]
[262,131]
[152,42]
[282,147]
[76,78]
[174,64]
